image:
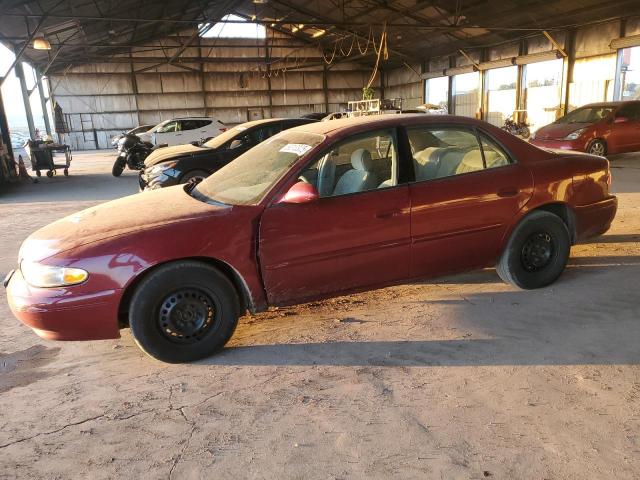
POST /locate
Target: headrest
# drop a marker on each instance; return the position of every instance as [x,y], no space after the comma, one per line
[471,162]
[361,160]
[419,142]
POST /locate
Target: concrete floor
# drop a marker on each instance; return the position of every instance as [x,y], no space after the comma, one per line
[461,377]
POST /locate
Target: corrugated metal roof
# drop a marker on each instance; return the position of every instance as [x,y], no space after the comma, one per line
[88,31]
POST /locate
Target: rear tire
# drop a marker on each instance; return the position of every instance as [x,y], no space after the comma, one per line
[118,167]
[183,311]
[536,253]
[597,147]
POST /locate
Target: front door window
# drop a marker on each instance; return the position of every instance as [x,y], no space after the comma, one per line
[360,164]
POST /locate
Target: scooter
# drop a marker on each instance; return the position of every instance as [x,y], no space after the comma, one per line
[132,153]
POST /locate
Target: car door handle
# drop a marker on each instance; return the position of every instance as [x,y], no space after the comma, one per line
[508,192]
[389,214]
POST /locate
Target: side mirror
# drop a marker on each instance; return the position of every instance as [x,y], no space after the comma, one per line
[235,144]
[301,192]
[621,120]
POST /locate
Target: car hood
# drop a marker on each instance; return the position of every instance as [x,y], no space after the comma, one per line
[558,131]
[168,153]
[118,217]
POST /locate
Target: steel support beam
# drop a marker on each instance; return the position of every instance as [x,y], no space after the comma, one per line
[25,98]
[4,127]
[569,61]
[43,102]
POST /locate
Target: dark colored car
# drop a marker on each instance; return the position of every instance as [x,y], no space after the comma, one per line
[134,131]
[316,211]
[182,163]
[598,129]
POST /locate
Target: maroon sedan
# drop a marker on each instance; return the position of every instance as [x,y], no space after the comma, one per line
[316,211]
[598,129]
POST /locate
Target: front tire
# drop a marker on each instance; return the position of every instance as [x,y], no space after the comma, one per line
[183,311]
[597,147]
[118,167]
[197,175]
[536,253]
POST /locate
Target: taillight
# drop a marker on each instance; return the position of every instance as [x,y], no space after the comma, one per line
[223,129]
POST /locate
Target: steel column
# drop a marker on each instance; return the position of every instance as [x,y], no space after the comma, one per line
[25,98]
[43,102]
[4,127]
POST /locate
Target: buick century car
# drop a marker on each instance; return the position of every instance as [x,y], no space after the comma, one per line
[316,211]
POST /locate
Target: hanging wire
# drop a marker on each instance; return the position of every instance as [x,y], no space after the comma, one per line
[353,42]
[333,55]
[382,51]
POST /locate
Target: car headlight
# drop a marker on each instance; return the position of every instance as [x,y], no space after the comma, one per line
[161,167]
[46,276]
[575,135]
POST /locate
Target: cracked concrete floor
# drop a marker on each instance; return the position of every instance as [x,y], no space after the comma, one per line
[460,377]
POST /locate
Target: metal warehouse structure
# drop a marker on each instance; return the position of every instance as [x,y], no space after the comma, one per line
[114,65]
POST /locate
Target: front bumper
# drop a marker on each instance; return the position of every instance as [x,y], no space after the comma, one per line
[168,178]
[59,314]
[575,145]
[595,219]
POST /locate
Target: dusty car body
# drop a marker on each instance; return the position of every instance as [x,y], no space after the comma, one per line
[321,220]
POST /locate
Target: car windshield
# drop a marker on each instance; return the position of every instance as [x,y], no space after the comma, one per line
[248,178]
[224,137]
[586,115]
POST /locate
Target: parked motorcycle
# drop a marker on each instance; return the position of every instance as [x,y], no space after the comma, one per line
[132,152]
[520,129]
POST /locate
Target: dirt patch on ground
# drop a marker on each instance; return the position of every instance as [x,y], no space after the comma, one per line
[461,377]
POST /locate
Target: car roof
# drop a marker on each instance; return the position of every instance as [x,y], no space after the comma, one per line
[266,121]
[382,121]
[610,104]
[193,118]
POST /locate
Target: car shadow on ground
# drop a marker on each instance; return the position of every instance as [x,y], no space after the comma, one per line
[557,325]
[629,238]
[426,353]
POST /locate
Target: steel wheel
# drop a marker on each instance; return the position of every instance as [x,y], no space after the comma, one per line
[183,311]
[537,252]
[186,315]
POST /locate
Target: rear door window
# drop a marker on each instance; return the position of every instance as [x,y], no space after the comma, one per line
[631,112]
[440,152]
[194,124]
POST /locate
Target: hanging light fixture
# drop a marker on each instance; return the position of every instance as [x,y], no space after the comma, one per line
[41,43]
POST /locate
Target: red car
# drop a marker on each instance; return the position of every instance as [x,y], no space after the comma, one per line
[316,211]
[598,129]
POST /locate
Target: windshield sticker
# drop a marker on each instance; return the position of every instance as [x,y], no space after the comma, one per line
[298,148]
